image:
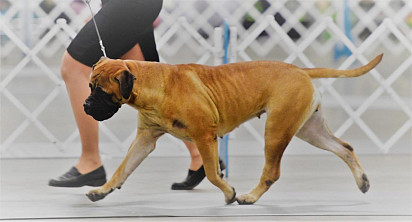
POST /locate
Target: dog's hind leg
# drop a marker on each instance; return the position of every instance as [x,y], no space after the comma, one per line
[283,121]
[316,132]
[140,148]
[276,141]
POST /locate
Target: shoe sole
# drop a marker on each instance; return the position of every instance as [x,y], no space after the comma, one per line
[95,183]
[182,188]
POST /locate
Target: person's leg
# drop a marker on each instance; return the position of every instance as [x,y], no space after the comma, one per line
[82,53]
[195,158]
[88,170]
[76,77]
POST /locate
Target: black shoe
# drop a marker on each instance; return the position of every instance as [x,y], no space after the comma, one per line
[75,179]
[194,178]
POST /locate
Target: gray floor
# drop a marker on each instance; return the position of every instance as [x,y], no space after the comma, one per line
[311,188]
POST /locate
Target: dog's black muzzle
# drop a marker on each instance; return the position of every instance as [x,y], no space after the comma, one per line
[100,105]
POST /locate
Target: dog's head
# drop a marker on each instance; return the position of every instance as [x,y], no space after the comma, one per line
[111,86]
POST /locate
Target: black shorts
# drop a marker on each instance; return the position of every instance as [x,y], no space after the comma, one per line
[122,24]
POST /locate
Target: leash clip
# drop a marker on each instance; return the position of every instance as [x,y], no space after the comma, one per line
[102,48]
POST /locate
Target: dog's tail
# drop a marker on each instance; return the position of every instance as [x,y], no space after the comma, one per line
[333,73]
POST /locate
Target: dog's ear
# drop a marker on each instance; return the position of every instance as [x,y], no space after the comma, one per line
[126,80]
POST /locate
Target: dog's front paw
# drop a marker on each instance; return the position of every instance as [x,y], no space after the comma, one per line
[95,195]
[246,199]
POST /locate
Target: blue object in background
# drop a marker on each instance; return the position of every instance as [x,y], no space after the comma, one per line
[342,50]
[224,142]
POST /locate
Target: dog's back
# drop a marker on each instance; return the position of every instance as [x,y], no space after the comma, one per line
[241,91]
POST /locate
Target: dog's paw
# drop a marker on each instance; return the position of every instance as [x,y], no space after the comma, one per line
[364,186]
[231,198]
[95,195]
[246,199]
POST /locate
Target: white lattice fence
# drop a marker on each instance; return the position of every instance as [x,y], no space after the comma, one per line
[34,105]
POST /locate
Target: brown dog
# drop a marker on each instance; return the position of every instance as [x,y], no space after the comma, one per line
[201,103]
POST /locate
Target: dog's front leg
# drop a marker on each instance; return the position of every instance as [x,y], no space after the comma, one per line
[141,147]
[208,150]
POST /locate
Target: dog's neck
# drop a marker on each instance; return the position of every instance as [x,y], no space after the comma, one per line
[148,75]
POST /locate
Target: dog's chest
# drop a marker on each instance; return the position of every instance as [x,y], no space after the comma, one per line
[176,128]
[171,125]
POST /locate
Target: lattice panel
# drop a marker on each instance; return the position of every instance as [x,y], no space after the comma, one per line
[306,33]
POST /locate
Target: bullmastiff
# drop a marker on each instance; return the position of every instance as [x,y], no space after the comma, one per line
[200,103]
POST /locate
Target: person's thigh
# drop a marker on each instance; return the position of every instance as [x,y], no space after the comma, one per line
[122,24]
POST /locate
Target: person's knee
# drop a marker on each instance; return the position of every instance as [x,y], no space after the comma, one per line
[64,71]
[72,69]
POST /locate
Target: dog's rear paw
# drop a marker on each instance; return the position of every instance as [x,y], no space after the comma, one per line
[246,199]
[95,195]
